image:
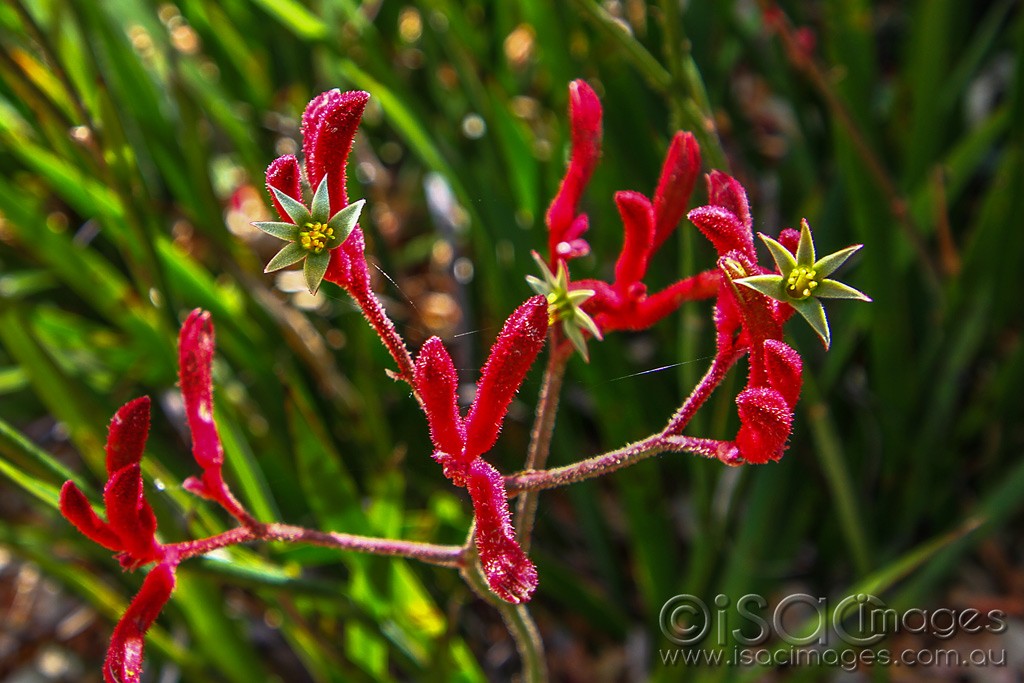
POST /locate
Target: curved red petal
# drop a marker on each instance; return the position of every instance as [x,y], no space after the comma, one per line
[123,663]
[511,356]
[284,175]
[129,514]
[76,509]
[328,127]
[437,384]
[726,191]
[585,123]
[509,572]
[678,176]
[638,226]
[126,437]
[195,361]
[724,230]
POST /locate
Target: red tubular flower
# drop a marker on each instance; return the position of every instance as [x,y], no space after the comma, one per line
[437,384]
[565,226]
[678,176]
[625,303]
[123,663]
[514,351]
[328,128]
[195,363]
[459,444]
[130,529]
[510,573]
[765,423]
[747,319]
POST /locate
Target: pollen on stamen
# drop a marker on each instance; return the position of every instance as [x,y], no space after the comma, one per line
[314,238]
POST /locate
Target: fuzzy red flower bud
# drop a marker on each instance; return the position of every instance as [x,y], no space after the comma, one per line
[437,384]
[784,369]
[123,663]
[511,356]
[328,127]
[585,122]
[509,572]
[283,174]
[678,176]
[126,437]
[765,423]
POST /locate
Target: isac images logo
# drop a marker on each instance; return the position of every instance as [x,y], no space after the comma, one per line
[802,629]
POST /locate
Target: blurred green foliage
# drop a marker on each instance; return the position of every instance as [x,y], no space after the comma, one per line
[132,134]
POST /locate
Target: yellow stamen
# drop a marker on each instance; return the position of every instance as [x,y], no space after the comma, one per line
[801,282]
[314,238]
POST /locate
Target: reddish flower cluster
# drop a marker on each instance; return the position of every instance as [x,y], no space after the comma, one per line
[624,304]
[745,319]
[459,442]
[130,528]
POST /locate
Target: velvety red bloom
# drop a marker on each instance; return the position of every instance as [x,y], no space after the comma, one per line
[195,365]
[748,320]
[514,351]
[625,303]
[130,529]
[509,572]
[459,444]
[123,663]
[765,422]
[565,225]
[329,126]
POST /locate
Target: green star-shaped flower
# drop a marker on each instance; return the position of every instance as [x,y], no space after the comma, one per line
[312,234]
[564,304]
[804,279]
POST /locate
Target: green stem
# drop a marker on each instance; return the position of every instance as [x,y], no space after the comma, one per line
[540,437]
[517,618]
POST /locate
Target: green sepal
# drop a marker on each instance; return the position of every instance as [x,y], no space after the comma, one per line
[827,265]
[315,269]
[831,289]
[576,338]
[293,252]
[295,209]
[784,260]
[805,247]
[344,222]
[279,229]
[769,285]
[320,207]
[814,313]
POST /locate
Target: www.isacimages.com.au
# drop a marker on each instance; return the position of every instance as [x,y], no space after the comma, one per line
[847,659]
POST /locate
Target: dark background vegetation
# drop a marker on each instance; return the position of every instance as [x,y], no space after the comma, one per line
[133,137]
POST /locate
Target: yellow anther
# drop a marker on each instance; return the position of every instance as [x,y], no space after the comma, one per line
[314,237]
[801,282]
